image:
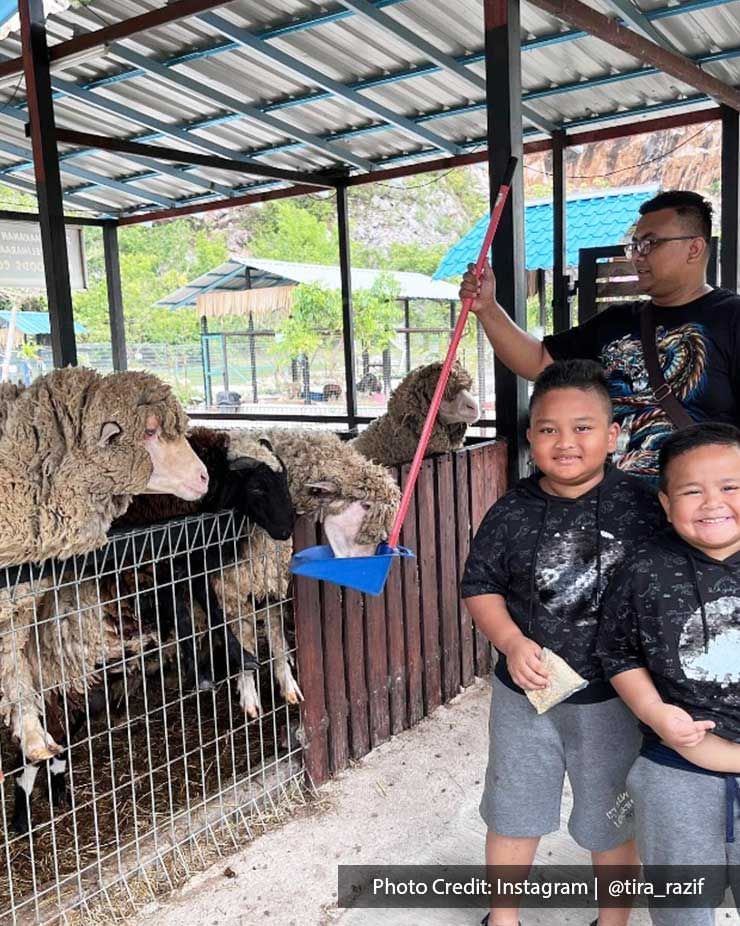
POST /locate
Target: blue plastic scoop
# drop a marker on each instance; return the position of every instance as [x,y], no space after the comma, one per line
[369,573]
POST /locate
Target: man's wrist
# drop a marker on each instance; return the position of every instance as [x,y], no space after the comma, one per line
[505,645]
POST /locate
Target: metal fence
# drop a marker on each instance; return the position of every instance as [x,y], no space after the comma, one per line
[120,657]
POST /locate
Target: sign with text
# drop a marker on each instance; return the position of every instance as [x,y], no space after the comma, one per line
[22,259]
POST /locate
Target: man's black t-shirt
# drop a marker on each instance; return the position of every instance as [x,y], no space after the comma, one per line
[699,351]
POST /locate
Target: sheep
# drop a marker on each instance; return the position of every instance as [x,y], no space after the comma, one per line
[354,498]
[90,637]
[392,439]
[75,447]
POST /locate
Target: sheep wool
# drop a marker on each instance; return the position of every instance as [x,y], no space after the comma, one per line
[392,439]
[62,485]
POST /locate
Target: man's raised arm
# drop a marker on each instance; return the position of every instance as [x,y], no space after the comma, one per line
[522,353]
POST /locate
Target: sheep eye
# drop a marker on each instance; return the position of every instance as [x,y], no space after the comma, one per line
[150,432]
[366,505]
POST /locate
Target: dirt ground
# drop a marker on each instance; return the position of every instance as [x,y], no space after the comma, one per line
[414,800]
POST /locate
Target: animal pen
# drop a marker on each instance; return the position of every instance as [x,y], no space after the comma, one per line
[160,774]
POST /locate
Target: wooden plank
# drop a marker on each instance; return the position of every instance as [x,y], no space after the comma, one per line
[427,554]
[616,267]
[309,653]
[477,510]
[461,460]
[618,289]
[337,707]
[376,662]
[447,576]
[412,613]
[354,655]
[396,646]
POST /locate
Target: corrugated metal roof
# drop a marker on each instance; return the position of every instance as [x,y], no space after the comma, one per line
[592,220]
[33,322]
[256,273]
[211,83]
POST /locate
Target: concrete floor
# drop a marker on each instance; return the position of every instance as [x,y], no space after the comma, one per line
[414,800]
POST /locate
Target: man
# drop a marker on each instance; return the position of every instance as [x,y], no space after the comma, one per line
[697,331]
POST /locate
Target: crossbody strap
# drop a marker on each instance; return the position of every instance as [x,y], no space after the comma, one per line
[661,390]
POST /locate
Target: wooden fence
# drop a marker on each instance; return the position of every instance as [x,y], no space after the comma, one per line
[370,667]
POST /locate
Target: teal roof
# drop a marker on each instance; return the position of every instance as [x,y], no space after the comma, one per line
[33,322]
[592,220]
[8,8]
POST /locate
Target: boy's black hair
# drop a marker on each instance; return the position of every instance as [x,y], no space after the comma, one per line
[572,374]
[691,207]
[706,434]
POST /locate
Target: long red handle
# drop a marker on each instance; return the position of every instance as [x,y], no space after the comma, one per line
[444,375]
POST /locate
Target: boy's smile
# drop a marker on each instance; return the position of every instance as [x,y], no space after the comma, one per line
[570,435]
[702,499]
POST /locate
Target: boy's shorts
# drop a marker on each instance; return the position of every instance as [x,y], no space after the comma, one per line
[530,753]
[680,818]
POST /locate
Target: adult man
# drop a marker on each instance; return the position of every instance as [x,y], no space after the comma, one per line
[697,331]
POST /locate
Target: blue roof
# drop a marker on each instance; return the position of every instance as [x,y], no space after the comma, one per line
[592,220]
[8,8]
[33,322]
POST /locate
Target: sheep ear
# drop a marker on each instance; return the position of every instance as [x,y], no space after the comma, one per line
[325,489]
[241,464]
[264,442]
[108,433]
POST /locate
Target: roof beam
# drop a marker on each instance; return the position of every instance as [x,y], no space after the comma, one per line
[248,40]
[82,202]
[441,59]
[339,152]
[105,143]
[135,192]
[583,17]
[99,38]
[634,17]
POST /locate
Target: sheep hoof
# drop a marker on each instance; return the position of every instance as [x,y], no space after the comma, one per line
[293,694]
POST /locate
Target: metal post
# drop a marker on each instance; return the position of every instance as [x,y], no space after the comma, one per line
[252,357]
[115,297]
[560,282]
[306,373]
[504,113]
[407,336]
[348,331]
[730,198]
[542,297]
[453,314]
[225,361]
[205,356]
[48,181]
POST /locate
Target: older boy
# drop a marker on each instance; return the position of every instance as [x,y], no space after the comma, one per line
[670,642]
[535,576]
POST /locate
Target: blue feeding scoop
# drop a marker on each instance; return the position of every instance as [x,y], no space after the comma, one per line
[365,573]
[369,573]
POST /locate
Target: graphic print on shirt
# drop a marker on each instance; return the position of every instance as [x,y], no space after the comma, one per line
[720,664]
[566,572]
[682,353]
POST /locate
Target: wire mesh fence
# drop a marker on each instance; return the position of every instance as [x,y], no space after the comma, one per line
[152,717]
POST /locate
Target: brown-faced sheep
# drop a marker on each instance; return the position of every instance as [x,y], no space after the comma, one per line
[392,439]
[76,446]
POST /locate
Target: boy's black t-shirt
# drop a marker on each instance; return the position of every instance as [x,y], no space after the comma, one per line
[551,559]
[699,351]
[676,612]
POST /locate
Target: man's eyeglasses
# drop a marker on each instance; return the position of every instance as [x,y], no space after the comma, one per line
[644,246]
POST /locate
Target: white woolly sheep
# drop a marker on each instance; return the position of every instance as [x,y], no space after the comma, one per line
[355,499]
[392,439]
[74,449]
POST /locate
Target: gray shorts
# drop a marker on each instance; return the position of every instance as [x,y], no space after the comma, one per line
[530,753]
[680,820]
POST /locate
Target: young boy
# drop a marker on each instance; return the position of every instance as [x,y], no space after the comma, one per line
[535,576]
[670,642]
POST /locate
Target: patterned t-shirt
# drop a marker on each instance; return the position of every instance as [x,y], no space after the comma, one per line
[699,352]
[676,612]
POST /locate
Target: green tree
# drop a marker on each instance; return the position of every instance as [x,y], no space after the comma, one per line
[288,231]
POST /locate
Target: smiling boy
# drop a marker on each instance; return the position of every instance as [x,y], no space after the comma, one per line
[670,642]
[535,576]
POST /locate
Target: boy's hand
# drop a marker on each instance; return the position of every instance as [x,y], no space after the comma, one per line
[676,727]
[524,661]
[482,291]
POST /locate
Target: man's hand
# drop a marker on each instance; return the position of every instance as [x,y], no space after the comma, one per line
[524,661]
[675,726]
[483,291]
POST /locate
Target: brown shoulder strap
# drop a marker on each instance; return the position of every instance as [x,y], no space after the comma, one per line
[661,390]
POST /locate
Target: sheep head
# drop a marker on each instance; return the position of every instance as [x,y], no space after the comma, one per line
[411,399]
